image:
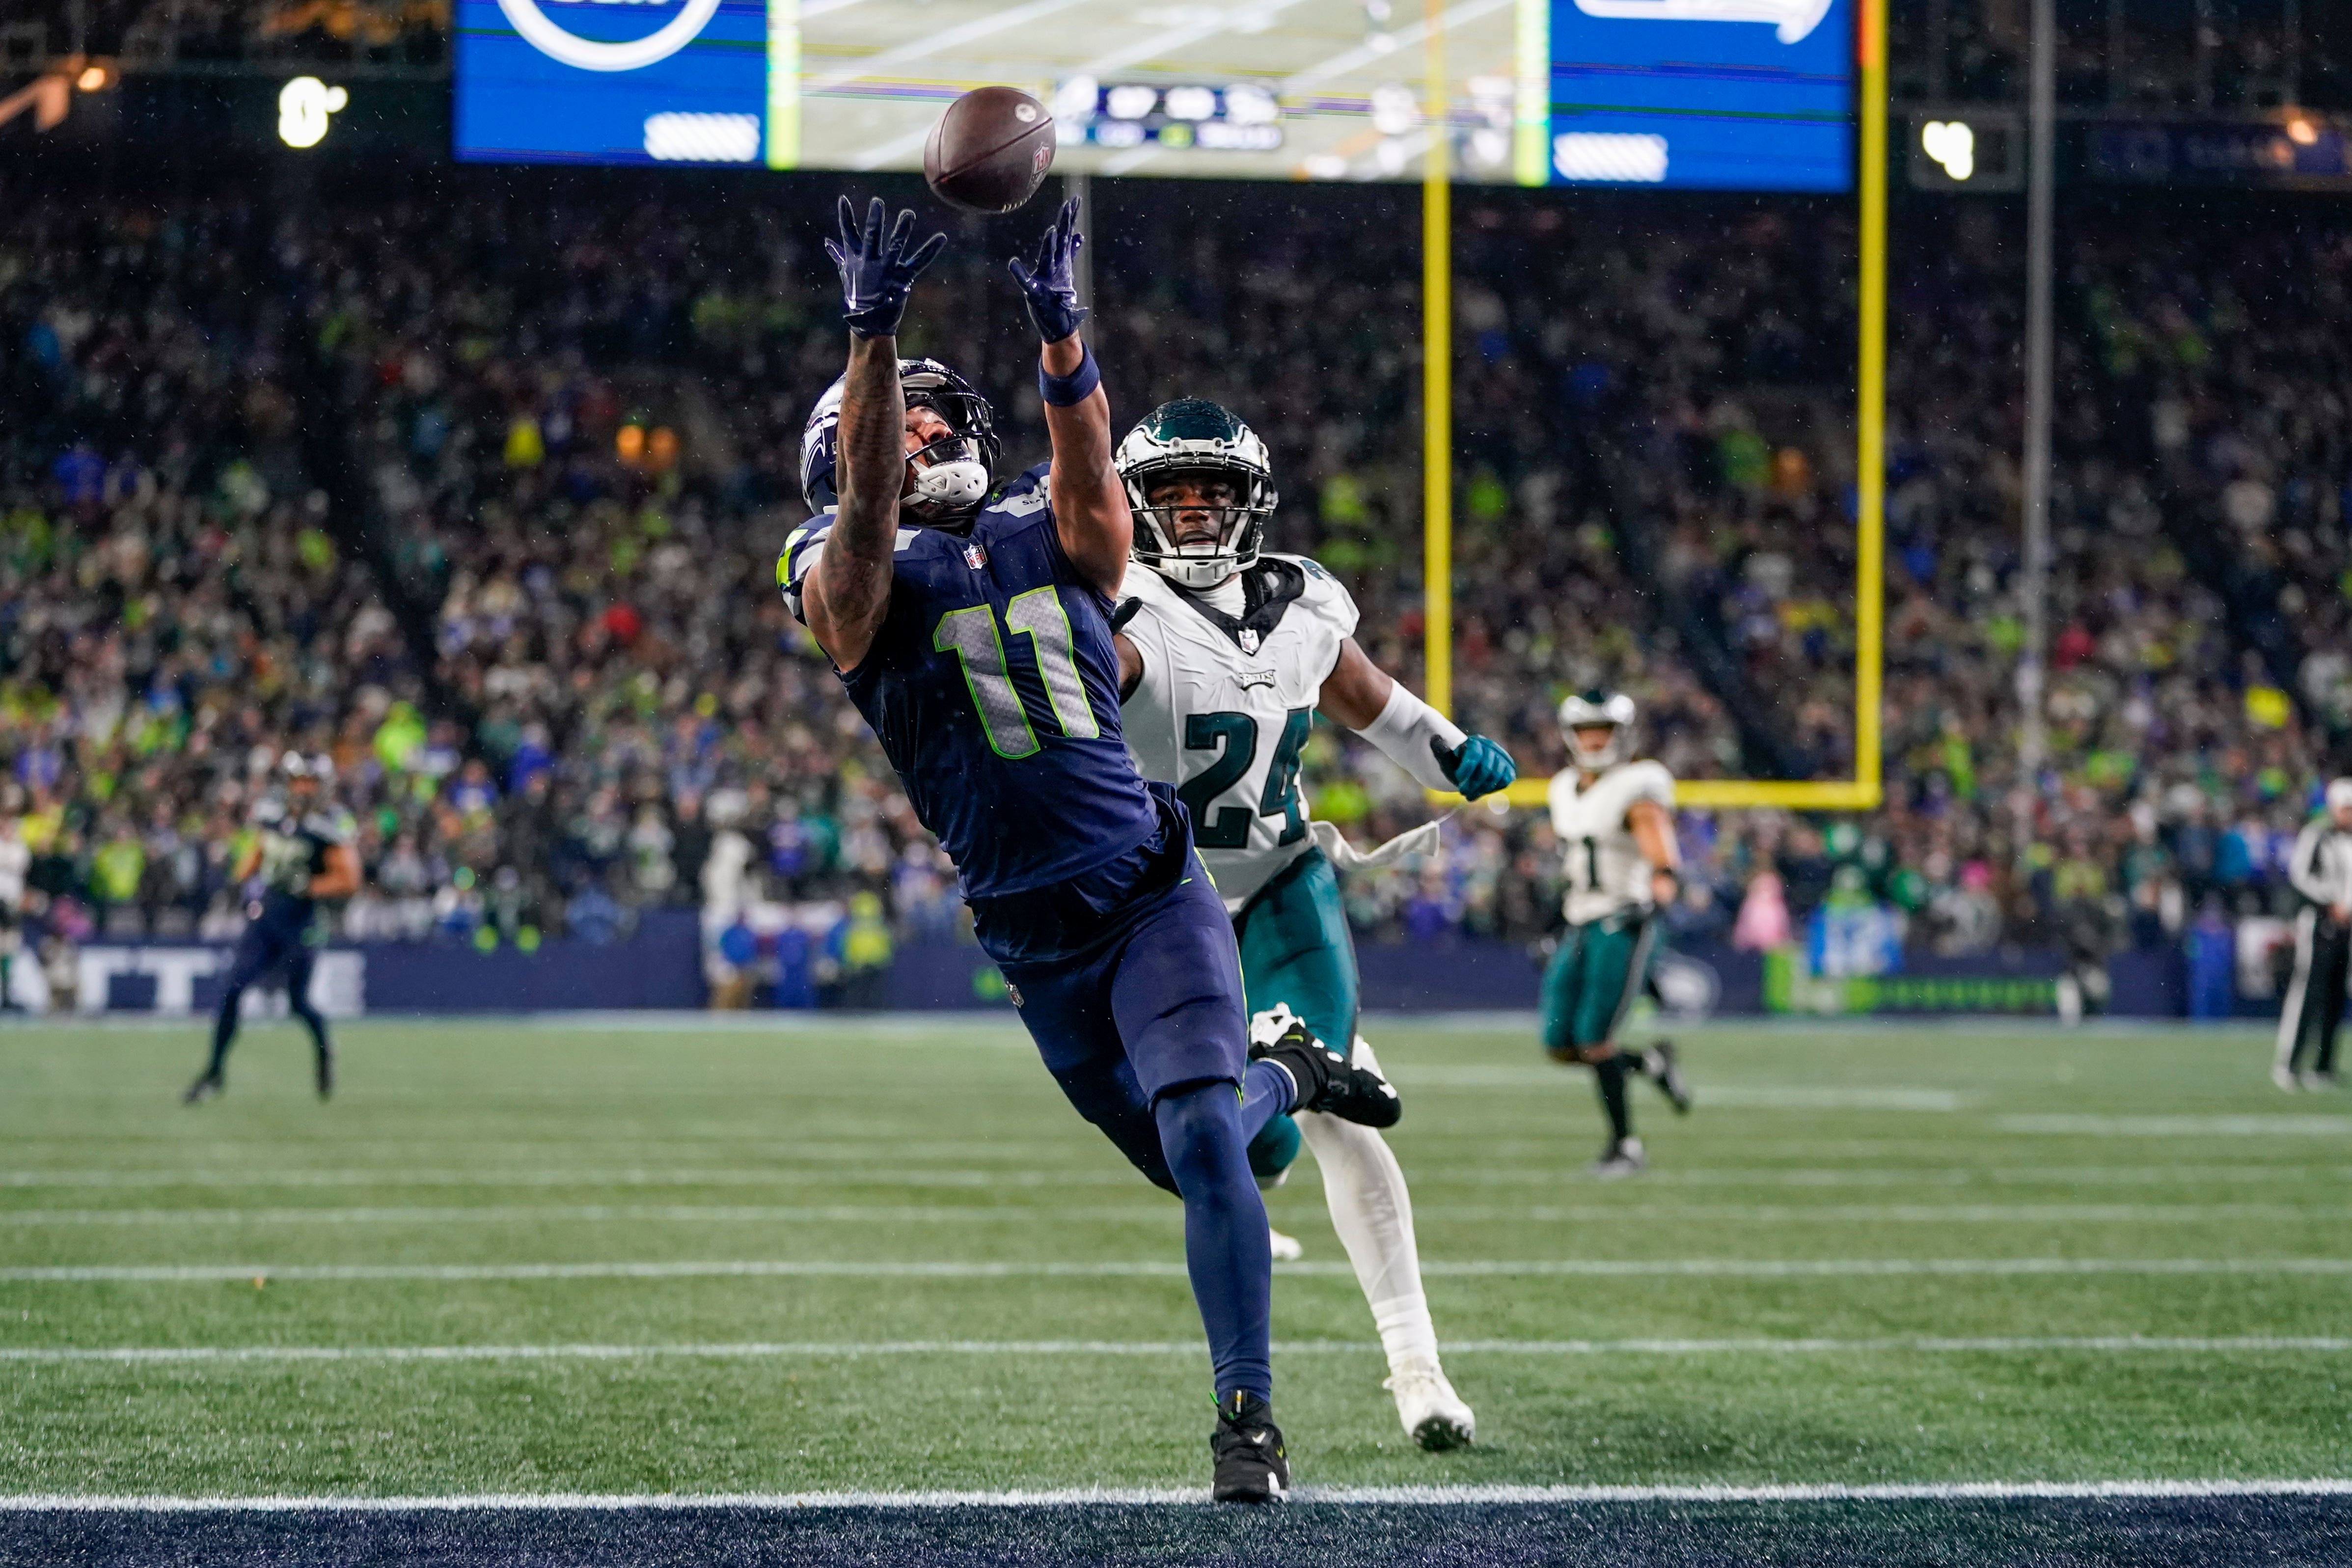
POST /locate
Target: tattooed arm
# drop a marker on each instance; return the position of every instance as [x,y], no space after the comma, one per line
[849,592]
[849,589]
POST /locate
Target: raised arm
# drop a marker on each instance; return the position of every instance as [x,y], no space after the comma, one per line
[1360,695]
[1091,512]
[849,591]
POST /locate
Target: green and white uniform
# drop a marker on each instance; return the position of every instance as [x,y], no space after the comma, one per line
[1605,955]
[1223,706]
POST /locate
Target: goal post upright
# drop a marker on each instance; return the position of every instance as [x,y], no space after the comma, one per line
[1437,372]
[1865,790]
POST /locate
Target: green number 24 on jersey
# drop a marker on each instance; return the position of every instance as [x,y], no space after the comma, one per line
[1235,738]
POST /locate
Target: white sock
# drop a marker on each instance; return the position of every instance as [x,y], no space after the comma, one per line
[1372,1213]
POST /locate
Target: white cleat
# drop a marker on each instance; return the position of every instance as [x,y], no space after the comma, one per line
[1434,1414]
[1286,1247]
[1621,1159]
[2284,1075]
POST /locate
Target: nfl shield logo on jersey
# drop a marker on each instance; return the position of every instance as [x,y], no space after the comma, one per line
[1248,639]
[973,555]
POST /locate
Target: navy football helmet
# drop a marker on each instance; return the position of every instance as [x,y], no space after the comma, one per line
[953,474]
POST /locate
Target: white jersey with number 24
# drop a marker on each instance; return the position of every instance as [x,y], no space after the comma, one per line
[1224,705]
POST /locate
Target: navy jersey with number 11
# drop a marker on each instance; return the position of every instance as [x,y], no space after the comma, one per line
[994,686]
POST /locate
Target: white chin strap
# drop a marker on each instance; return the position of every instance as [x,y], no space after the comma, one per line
[1197,570]
[950,486]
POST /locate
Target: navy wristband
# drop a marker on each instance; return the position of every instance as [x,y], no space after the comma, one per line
[1062,391]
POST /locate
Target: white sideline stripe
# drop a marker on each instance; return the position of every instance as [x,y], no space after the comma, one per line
[1414,1497]
[536,1213]
[1880,1213]
[978,1178]
[2281,1126]
[845,1350]
[833,1176]
[1637,1267]
[1750,1097]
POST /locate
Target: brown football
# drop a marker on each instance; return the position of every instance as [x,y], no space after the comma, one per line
[990,150]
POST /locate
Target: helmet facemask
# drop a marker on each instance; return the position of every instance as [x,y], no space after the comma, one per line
[1196,439]
[1239,519]
[952,472]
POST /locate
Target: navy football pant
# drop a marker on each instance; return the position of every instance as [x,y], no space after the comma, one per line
[260,950]
[1142,1026]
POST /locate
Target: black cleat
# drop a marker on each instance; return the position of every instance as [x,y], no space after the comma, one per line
[326,1071]
[1664,1067]
[1252,1465]
[208,1086]
[1325,1081]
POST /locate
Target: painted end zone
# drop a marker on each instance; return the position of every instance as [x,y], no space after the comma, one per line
[2192,1523]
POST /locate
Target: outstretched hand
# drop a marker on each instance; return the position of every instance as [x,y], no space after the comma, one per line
[878,270]
[1476,767]
[1049,285]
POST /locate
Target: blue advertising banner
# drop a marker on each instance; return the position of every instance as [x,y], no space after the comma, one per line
[612,81]
[1719,94]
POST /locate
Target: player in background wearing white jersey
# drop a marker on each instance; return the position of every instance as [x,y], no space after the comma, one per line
[1226,654]
[1614,817]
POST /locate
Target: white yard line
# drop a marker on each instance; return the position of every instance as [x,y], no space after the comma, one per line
[2274,1126]
[1417,1497]
[1435,1268]
[981,1178]
[594,1214]
[2097,1344]
[918,1214]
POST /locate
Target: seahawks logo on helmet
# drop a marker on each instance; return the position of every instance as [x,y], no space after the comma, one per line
[1194,436]
[1593,710]
[953,474]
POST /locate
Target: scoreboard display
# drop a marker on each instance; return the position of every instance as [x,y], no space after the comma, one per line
[1719,94]
[1728,94]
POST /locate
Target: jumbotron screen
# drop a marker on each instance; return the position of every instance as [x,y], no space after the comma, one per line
[1753,94]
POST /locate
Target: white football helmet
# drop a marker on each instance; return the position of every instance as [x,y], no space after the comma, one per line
[1591,710]
[1193,434]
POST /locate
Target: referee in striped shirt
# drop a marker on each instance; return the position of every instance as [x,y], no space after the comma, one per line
[2322,873]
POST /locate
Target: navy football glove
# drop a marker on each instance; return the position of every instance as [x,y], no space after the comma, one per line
[1049,286]
[878,271]
[1476,767]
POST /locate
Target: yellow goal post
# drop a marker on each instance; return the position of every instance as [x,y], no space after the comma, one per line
[1860,793]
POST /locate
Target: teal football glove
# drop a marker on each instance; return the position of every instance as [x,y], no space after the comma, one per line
[1476,767]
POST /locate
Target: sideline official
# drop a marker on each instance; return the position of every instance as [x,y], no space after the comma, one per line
[2322,872]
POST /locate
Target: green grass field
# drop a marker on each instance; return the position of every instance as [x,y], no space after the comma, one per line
[1910,1253]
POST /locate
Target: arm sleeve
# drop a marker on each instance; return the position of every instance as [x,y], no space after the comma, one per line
[1562,792]
[1404,730]
[2307,870]
[802,549]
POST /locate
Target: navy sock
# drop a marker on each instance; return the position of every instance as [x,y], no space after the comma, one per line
[1266,1093]
[316,1022]
[1225,1245]
[224,1031]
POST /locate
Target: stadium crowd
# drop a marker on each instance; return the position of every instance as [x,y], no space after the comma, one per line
[478,491]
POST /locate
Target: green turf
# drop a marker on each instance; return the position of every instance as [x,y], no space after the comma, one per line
[500,1144]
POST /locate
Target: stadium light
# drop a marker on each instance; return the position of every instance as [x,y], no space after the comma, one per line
[1953,144]
[304,105]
